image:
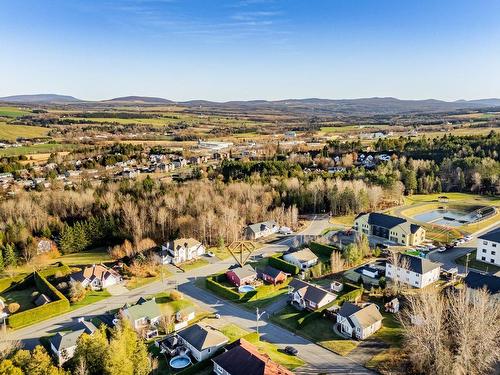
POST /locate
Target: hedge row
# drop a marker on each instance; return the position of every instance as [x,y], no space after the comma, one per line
[59,305]
[11,282]
[59,267]
[213,283]
[325,250]
[283,265]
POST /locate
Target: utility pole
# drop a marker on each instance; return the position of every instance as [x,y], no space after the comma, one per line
[467,263]
[258,316]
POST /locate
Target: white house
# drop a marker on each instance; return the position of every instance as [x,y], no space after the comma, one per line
[488,247]
[259,230]
[308,296]
[181,250]
[63,344]
[303,259]
[359,321]
[144,315]
[97,277]
[4,313]
[203,342]
[415,271]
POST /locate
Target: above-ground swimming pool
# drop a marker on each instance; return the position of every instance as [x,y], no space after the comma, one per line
[452,218]
[246,288]
[180,361]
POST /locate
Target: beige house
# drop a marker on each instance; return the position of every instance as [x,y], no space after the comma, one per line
[359,321]
[392,228]
[303,259]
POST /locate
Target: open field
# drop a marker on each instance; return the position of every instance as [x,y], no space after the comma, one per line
[12,132]
[13,112]
[44,148]
[94,256]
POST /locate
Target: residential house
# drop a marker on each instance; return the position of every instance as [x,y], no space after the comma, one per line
[272,275]
[4,312]
[259,230]
[392,228]
[243,358]
[180,162]
[308,296]
[303,259]
[415,271]
[63,344]
[181,250]
[488,248]
[202,341]
[239,276]
[144,316]
[475,281]
[359,321]
[97,277]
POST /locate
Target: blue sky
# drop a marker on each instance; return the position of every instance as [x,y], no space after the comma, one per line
[249,49]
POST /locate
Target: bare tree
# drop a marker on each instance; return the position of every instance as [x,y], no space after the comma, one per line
[456,333]
[337,262]
[400,265]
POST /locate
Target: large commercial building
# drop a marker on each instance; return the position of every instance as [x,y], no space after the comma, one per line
[488,247]
[395,229]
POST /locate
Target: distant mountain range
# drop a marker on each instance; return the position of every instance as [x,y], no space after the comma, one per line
[384,106]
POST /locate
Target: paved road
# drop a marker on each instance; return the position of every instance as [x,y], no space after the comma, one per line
[318,358]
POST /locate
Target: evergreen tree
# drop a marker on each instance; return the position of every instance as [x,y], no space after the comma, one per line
[9,255]
[93,351]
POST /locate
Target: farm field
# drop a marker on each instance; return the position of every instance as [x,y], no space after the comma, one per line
[11,132]
[13,112]
[44,148]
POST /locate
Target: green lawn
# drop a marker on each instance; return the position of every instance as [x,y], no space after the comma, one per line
[233,332]
[94,256]
[12,112]
[187,266]
[319,331]
[37,149]
[221,253]
[474,263]
[23,297]
[169,306]
[136,282]
[391,331]
[267,294]
[11,132]
[91,297]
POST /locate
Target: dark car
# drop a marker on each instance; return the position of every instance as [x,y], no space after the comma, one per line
[291,350]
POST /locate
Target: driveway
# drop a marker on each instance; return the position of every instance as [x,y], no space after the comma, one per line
[117,290]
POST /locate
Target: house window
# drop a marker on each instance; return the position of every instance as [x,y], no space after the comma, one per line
[492,260]
[485,242]
[483,258]
[493,253]
[494,244]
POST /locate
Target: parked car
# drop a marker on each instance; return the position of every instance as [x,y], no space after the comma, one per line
[291,350]
[442,249]
[210,254]
[468,238]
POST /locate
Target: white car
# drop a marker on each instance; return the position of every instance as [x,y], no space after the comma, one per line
[467,238]
[442,249]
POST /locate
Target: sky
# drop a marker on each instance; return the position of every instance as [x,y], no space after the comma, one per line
[251,49]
